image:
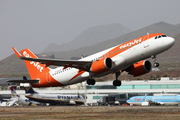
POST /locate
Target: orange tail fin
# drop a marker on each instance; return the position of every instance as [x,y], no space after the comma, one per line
[35,69]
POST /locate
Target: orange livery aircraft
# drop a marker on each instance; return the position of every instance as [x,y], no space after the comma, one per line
[130,57]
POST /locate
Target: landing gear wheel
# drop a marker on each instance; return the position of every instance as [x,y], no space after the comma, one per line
[117,83]
[156,64]
[91,81]
[88,81]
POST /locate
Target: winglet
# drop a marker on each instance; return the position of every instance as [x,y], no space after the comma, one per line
[17,53]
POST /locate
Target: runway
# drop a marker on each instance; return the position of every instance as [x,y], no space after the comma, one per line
[87,113]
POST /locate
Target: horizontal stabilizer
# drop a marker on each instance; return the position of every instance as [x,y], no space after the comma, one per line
[24,81]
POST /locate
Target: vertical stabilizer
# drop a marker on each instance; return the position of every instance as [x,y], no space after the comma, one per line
[35,69]
[28,89]
[13,93]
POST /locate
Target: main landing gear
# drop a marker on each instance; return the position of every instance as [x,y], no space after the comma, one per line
[91,82]
[156,64]
[117,82]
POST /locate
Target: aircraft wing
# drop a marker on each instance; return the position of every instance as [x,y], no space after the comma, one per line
[24,81]
[12,102]
[84,65]
[6,99]
[152,102]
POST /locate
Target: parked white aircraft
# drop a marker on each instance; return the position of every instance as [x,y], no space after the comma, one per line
[148,100]
[18,100]
[129,56]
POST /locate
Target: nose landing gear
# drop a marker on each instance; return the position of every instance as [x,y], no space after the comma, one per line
[156,64]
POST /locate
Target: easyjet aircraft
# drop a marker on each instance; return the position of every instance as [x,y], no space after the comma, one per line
[129,57]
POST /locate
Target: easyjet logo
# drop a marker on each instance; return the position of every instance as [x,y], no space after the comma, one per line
[137,99]
[131,43]
[36,64]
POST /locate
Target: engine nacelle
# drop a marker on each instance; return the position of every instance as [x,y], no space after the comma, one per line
[101,65]
[140,68]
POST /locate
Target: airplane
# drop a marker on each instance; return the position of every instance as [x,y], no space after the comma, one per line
[150,100]
[17,100]
[3,103]
[130,57]
[54,99]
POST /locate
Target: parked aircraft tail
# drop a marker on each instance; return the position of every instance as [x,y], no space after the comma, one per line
[28,89]
[13,93]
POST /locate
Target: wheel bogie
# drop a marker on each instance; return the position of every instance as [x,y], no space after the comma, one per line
[117,83]
[91,82]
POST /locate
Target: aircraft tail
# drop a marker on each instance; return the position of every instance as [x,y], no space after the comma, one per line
[13,93]
[28,89]
[35,69]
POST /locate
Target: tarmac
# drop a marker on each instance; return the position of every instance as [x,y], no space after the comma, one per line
[91,112]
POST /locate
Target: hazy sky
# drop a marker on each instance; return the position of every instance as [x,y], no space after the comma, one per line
[34,24]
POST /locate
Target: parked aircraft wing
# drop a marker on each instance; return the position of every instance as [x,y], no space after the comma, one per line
[12,102]
[152,102]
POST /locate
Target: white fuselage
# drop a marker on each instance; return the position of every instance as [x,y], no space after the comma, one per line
[133,54]
[56,98]
[22,100]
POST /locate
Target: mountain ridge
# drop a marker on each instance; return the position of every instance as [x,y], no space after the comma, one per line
[161,27]
[90,36]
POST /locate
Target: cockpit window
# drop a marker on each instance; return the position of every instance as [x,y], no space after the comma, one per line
[164,36]
[159,36]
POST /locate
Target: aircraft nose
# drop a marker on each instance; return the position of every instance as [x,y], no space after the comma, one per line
[169,42]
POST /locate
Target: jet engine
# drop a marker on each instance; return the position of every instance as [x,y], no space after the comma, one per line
[140,68]
[101,65]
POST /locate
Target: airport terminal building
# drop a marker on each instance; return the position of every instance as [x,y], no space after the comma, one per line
[165,86]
